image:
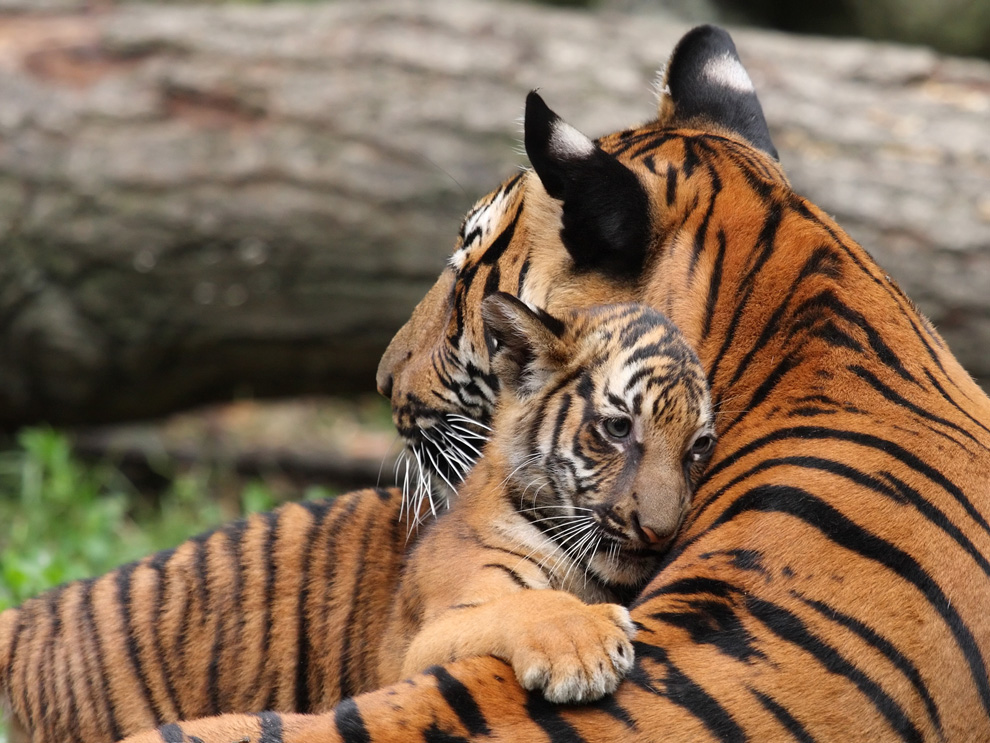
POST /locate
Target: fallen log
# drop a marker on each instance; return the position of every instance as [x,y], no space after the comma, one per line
[200,203]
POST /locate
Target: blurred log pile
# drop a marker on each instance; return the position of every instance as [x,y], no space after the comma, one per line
[202,202]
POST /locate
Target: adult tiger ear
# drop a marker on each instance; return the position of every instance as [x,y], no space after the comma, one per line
[605,222]
[525,344]
[705,86]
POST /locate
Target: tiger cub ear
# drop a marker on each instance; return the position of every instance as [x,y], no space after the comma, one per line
[605,222]
[525,344]
[705,86]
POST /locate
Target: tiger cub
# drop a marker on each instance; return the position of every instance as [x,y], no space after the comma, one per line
[603,420]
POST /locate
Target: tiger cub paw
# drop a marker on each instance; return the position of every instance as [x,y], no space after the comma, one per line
[579,655]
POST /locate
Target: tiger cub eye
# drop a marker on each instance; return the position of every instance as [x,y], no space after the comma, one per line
[618,427]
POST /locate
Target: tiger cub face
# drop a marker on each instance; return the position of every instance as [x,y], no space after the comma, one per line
[603,425]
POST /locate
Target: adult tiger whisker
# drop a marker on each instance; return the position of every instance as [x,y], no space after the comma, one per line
[385,455]
[436,467]
[464,419]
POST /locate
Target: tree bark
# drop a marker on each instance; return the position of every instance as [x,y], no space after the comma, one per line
[202,202]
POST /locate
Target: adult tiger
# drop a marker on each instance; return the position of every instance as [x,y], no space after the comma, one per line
[830,581]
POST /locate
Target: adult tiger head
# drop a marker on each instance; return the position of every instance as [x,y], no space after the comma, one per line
[596,221]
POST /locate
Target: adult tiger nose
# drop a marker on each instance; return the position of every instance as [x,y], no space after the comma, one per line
[384,381]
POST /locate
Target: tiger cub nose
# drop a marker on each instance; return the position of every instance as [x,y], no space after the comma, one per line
[646,533]
[651,536]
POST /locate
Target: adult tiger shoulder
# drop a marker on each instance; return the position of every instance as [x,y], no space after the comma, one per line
[830,581]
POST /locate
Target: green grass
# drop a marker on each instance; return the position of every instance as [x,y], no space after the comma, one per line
[62,519]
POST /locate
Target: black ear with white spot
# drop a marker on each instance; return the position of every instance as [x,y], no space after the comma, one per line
[707,86]
[525,343]
[605,220]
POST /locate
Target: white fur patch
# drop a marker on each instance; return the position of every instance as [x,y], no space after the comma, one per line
[727,72]
[567,142]
[478,226]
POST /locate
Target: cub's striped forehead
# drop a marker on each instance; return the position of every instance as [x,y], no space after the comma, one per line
[484,222]
[627,330]
[640,357]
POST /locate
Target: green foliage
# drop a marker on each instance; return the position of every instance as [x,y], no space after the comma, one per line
[65,520]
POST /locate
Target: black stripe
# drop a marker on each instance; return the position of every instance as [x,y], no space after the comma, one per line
[906,307]
[458,698]
[498,246]
[894,488]
[203,582]
[765,243]
[196,588]
[690,587]
[645,142]
[611,707]
[895,397]
[521,278]
[836,527]
[945,395]
[700,236]
[685,693]
[101,661]
[302,623]
[352,624]
[834,336]
[90,678]
[788,363]
[785,718]
[124,575]
[47,686]
[63,668]
[513,575]
[715,623]
[492,281]
[789,627]
[714,285]
[691,159]
[433,734]
[328,581]
[882,645]
[890,448]
[271,727]
[271,519]
[350,724]
[671,183]
[822,261]
[159,562]
[814,309]
[547,716]
[233,634]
